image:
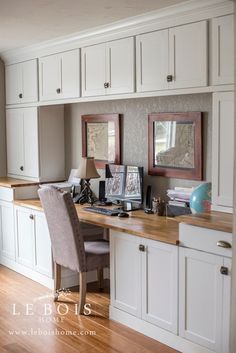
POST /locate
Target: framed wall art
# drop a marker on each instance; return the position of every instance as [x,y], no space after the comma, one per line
[175,145]
[101,138]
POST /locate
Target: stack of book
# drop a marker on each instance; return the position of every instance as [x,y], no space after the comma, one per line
[179,198]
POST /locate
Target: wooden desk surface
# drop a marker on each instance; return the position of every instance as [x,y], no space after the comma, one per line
[12,182]
[213,220]
[139,223]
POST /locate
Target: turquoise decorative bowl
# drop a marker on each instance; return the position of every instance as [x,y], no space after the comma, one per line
[200,200]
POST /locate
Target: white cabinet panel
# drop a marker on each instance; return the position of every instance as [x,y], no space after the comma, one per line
[223,147]
[94,70]
[226,307]
[60,76]
[188,55]
[159,285]
[120,68]
[201,298]
[223,50]
[152,61]
[7,235]
[22,142]
[43,253]
[15,141]
[22,82]
[24,234]
[108,68]
[31,152]
[125,269]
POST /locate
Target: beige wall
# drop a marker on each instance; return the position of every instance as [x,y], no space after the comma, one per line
[2,123]
[135,131]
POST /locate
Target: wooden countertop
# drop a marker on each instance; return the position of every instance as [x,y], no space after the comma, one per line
[12,182]
[212,220]
[139,223]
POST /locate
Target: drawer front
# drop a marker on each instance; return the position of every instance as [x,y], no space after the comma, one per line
[204,239]
[6,194]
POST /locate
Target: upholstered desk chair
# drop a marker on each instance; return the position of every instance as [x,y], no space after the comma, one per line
[68,246]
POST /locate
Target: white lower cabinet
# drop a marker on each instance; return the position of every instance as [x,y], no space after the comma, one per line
[204,292]
[33,246]
[7,235]
[144,279]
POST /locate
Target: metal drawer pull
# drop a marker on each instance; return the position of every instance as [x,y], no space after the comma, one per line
[223,244]
[141,247]
[224,270]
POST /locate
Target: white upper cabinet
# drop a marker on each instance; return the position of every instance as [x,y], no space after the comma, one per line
[108,68]
[35,143]
[172,58]
[60,76]
[223,50]
[152,61]
[223,147]
[22,82]
[188,56]
[94,70]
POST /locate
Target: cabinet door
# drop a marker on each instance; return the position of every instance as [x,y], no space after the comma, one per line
[152,61]
[15,141]
[29,81]
[43,253]
[159,285]
[223,147]
[50,77]
[125,273]
[24,226]
[188,55]
[31,154]
[7,235]
[22,82]
[120,66]
[70,74]
[201,298]
[94,70]
[12,84]
[223,50]
[226,306]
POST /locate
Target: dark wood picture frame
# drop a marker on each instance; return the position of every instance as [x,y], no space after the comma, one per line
[195,173]
[101,118]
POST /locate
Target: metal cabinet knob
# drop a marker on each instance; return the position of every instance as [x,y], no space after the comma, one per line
[20,95]
[223,244]
[224,270]
[22,168]
[58,90]
[31,216]
[141,247]
[106,85]
[169,78]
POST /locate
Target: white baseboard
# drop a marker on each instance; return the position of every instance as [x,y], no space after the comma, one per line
[155,332]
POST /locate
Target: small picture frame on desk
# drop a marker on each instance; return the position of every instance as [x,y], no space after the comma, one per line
[101,138]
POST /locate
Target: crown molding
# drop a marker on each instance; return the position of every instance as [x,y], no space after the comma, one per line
[189,11]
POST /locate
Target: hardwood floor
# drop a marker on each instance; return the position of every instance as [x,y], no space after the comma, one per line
[62,332]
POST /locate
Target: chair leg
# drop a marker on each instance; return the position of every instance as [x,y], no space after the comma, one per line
[100,278]
[57,280]
[83,290]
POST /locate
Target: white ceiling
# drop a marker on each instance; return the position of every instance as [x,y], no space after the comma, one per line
[26,22]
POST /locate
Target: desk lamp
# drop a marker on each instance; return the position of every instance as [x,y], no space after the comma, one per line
[86,171]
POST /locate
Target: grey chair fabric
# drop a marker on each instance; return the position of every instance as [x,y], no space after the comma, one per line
[68,245]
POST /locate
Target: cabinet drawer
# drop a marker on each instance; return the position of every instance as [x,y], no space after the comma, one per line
[204,239]
[6,194]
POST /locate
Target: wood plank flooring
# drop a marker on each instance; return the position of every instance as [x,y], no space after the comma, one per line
[59,331]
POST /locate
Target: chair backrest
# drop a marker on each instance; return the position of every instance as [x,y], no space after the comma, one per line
[64,228]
